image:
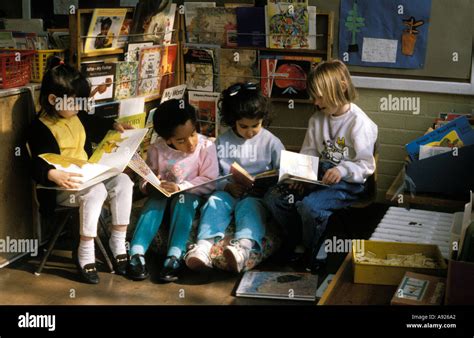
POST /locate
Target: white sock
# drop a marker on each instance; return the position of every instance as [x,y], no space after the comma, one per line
[117,242]
[206,243]
[247,243]
[86,252]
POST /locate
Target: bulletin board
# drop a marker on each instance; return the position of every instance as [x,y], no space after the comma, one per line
[449,45]
[386,33]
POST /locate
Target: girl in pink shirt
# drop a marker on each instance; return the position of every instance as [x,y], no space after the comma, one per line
[181,158]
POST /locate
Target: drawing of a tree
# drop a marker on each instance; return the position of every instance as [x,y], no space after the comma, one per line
[353,24]
[409,35]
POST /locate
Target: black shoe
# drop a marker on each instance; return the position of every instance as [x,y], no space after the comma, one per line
[138,271]
[120,264]
[89,273]
[170,272]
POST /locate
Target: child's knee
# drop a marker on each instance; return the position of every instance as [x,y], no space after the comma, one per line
[124,182]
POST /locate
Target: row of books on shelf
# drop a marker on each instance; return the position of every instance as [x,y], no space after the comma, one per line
[280,24]
[147,70]
[212,68]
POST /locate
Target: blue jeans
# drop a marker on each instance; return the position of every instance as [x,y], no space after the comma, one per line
[216,215]
[183,209]
[303,217]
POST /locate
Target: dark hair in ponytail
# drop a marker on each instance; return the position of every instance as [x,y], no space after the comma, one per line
[61,80]
[244,100]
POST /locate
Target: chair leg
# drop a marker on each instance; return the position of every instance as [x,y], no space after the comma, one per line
[104,253]
[102,248]
[51,243]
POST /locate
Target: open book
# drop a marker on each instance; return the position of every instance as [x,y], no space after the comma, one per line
[109,159]
[295,167]
[261,180]
[138,165]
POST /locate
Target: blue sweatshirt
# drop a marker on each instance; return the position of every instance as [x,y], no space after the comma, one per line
[259,154]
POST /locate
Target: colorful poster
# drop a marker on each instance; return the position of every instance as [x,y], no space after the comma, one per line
[384,33]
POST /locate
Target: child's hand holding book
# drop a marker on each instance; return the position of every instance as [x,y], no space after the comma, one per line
[64,179]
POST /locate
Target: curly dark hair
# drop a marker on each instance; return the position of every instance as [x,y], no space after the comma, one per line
[171,114]
[243,100]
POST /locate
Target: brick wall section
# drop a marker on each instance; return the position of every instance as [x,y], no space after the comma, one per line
[395,128]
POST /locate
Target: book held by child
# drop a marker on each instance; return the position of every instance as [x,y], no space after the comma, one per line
[109,159]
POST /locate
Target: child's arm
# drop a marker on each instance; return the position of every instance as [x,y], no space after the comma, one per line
[363,164]
[208,169]
[277,147]
[309,146]
[40,141]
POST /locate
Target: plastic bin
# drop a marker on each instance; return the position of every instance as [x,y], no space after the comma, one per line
[15,67]
[391,274]
[39,62]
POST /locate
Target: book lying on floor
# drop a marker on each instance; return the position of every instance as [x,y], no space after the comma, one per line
[242,177]
[109,159]
[139,165]
[295,167]
[278,285]
[418,289]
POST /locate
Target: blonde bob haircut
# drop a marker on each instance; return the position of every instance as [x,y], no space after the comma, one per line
[331,81]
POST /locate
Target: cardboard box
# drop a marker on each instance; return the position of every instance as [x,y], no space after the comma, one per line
[392,274]
[418,289]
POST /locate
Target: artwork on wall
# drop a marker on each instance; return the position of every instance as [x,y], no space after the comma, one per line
[386,33]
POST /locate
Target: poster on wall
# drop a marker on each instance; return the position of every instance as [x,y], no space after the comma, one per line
[384,33]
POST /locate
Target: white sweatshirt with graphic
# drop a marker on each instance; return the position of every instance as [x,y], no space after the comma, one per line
[347,141]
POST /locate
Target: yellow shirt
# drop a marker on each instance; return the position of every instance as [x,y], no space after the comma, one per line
[70,135]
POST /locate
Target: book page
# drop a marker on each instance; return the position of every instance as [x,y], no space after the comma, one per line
[72,165]
[138,165]
[116,149]
[299,166]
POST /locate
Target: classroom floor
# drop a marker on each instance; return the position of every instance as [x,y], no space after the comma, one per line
[59,284]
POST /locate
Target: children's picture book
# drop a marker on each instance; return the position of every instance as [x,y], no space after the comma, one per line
[101,75]
[132,112]
[199,69]
[149,71]
[133,50]
[296,167]
[139,165]
[104,29]
[284,76]
[278,285]
[260,180]
[126,79]
[288,24]
[107,111]
[206,111]
[237,65]
[109,159]
[160,27]
[168,66]
[217,25]
[419,289]
[250,26]
[124,31]
[457,133]
[190,18]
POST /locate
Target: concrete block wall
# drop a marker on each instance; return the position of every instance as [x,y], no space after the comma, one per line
[396,128]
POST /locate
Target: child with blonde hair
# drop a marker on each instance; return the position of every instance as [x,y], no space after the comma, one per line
[343,137]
